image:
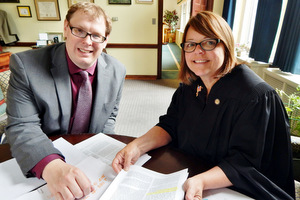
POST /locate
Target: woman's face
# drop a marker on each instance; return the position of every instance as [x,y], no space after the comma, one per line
[203,63]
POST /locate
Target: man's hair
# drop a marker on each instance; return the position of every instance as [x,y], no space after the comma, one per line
[213,26]
[93,10]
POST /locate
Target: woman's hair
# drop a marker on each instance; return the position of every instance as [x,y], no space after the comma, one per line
[212,26]
[93,11]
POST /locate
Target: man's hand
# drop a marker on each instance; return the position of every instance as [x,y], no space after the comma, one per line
[66,181]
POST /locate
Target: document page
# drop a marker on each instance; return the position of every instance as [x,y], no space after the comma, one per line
[105,148]
[224,194]
[100,174]
[72,155]
[143,184]
[13,183]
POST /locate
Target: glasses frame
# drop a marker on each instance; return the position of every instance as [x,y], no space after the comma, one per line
[87,34]
[200,44]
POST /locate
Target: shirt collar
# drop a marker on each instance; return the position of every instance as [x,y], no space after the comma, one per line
[73,68]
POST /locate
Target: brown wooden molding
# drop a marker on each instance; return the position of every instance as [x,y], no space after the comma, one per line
[132,46]
[141,77]
[22,44]
[109,45]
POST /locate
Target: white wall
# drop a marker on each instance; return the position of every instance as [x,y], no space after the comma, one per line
[134,26]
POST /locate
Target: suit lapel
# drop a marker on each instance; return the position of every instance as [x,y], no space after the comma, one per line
[101,90]
[60,73]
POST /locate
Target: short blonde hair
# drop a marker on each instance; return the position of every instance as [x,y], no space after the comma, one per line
[93,11]
[213,26]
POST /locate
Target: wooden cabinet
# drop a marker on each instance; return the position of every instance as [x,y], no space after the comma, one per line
[4,60]
[168,36]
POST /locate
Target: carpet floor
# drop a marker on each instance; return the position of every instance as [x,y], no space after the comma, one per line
[142,103]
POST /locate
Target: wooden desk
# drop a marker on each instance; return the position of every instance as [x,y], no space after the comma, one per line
[4,60]
[164,160]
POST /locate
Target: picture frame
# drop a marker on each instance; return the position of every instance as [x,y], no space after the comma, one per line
[120,2]
[144,1]
[9,1]
[47,10]
[24,11]
[71,2]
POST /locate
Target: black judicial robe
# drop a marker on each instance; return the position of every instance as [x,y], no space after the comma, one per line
[242,127]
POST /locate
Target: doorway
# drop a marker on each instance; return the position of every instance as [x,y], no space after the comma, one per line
[170,51]
[169,54]
[170,61]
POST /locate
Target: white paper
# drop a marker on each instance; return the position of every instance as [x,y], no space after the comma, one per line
[105,148]
[43,36]
[13,183]
[143,184]
[100,174]
[223,194]
[73,156]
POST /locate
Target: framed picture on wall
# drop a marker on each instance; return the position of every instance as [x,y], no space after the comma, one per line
[9,1]
[24,11]
[71,2]
[47,10]
[125,2]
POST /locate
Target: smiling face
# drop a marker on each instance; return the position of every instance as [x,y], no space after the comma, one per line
[83,51]
[203,63]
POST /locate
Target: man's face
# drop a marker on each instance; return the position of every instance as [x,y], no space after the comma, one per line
[83,51]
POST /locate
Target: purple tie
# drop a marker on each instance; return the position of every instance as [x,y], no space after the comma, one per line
[84,104]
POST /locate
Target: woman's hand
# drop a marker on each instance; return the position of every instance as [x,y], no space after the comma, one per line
[211,179]
[193,188]
[126,157]
[66,181]
[154,138]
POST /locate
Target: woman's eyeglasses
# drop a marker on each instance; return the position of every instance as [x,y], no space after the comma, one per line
[206,45]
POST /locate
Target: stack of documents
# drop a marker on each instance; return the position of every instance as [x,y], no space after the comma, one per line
[94,157]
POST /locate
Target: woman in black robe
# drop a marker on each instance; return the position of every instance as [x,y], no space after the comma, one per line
[226,115]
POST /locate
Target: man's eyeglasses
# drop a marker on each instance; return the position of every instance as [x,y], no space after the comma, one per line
[206,45]
[82,34]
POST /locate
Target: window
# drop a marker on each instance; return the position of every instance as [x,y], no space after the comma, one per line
[185,14]
[284,4]
[244,20]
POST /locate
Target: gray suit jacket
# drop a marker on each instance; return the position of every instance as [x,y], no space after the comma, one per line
[39,101]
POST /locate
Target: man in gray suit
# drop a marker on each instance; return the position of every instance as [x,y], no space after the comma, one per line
[42,98]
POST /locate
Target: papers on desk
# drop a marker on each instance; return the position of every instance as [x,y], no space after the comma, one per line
[105,148]
[94,156]
[143,184]
[100,174]
[13,184]
[224,194]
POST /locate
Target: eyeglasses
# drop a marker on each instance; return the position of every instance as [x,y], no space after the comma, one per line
[206,45]
[82,34]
